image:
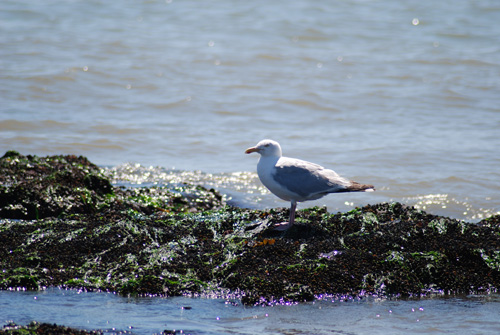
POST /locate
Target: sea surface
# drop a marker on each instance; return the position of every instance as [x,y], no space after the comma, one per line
[404,95]
[476,314]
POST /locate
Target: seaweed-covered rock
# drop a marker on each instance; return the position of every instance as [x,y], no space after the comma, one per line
[383,249]
[183,240]
[34,187]
[37,328]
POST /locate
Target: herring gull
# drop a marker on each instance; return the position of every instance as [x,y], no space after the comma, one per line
[296,180]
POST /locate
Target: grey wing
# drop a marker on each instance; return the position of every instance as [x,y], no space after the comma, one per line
[308,179]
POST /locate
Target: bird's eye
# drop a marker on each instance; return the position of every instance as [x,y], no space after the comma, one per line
[266,145]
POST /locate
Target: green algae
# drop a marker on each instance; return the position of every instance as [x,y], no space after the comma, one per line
[492,258]
[20,278]
[37,187]
[182,239]
[185,253]
[35,327]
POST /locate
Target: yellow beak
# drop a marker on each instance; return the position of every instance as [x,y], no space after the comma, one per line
[250,150]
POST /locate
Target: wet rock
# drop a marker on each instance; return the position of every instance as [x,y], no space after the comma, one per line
[34,187]
[184,240]
[44,329]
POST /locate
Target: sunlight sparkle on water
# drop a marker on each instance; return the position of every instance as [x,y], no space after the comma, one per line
[441,203]
[130,174]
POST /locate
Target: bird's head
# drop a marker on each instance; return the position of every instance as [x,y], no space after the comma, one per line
[266,148]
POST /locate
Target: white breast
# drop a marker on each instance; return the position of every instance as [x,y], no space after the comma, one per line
[265,169]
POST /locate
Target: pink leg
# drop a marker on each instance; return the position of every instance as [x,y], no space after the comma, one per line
[287,225]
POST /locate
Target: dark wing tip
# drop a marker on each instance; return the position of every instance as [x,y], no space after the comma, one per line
[357,187]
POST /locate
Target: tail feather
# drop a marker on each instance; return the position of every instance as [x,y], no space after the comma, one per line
[357,187]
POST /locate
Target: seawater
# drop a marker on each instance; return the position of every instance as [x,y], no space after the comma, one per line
[145,315]
[402,95]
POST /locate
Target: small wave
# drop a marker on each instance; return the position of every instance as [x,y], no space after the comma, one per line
[443,204]
[241,188]
[16,125]
[308,104]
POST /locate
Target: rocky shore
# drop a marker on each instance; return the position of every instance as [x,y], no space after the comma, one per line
[64,224]
[36,328]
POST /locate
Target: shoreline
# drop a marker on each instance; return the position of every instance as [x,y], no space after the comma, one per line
[66,225]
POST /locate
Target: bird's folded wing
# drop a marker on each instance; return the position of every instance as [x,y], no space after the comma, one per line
[307,179]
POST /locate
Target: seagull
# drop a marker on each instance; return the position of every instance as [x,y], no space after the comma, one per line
[296,180]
